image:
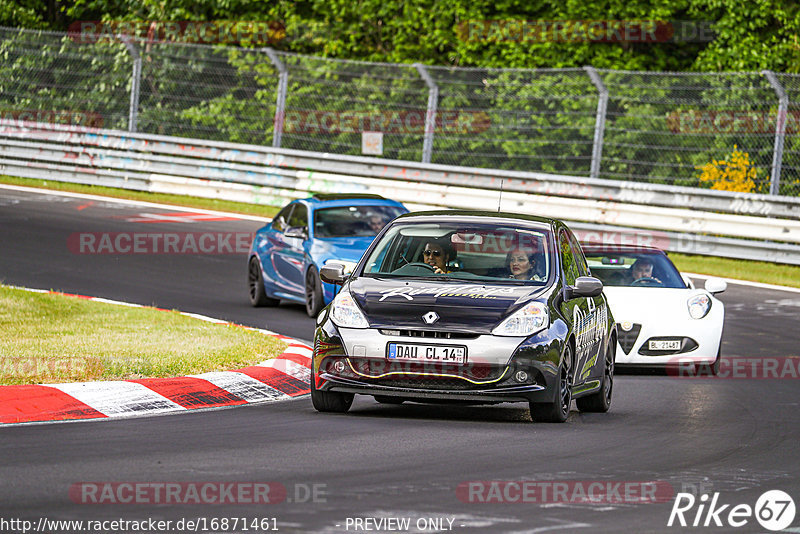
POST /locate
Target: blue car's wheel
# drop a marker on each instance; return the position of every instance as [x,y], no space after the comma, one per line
[314,301]
[255,284]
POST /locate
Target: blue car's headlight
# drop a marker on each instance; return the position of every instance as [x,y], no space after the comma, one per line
[346,313]
[524,322]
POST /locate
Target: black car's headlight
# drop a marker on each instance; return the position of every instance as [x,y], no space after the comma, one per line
[346,313]
[524,322]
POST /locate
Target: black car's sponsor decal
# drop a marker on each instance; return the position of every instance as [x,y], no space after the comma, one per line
[589,329]
[469,291]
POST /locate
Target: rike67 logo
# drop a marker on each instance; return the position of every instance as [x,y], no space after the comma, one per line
[774,510]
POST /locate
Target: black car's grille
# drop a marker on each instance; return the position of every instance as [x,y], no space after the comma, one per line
[429,334]
[429,382]
[372,368]
[628,339]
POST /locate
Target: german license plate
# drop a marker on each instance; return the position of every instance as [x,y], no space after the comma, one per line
[665,344]
[426,353]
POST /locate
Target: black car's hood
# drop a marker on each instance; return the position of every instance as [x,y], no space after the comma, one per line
[461,306]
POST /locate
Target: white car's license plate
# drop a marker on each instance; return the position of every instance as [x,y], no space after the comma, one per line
[665,344]
[426,353]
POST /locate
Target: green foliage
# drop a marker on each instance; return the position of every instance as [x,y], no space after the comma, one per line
[748,35]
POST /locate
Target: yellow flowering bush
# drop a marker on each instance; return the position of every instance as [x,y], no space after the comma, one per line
[735,173]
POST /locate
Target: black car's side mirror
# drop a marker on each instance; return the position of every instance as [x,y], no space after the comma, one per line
[333,273]
[585,286]
[296,231]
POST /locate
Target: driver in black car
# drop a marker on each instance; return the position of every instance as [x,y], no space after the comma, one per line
[437,254]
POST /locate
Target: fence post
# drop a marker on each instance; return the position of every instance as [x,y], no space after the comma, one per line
[430,115]
[780,131]
[600,120]
[136,76]
[280,102]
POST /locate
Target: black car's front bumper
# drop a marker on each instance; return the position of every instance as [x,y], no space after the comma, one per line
[492,375]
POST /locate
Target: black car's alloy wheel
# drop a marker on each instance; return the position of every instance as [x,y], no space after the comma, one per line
[600,401]
[557,410]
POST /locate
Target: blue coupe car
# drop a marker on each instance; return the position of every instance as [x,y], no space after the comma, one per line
[287,254]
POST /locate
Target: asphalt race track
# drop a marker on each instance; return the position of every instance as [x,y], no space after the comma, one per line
[737,437]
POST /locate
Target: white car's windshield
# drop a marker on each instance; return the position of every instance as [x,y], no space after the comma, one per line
[638,269]
[464,251]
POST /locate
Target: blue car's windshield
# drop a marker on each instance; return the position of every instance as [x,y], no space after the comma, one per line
[457,250]
[353,221]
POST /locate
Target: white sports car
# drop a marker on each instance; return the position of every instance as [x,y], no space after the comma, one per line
[662,319]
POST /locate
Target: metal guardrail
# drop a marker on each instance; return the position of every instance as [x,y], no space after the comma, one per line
[680,219]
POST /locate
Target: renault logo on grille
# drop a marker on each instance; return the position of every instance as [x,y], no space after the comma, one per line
[430,317]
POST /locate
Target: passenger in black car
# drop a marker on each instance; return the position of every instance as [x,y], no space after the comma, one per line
[522,265]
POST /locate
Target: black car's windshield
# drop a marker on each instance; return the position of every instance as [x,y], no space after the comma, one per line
[643,268]
[464,251]
[353,221]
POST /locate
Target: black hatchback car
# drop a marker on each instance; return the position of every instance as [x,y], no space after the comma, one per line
[467,306]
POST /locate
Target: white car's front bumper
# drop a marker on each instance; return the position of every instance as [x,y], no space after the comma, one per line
[665,319]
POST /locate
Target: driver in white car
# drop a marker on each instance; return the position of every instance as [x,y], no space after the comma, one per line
[641,268]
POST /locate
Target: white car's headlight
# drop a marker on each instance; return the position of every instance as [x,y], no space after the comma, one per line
[699,305]
[524,322]
[345,312]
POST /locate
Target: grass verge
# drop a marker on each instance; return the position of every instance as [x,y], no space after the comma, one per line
[48,338]
[755,271]
[162,198]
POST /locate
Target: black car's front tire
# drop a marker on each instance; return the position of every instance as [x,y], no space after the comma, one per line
[330,401]
[314,301]
[600,401]
[557,410]
[255,285]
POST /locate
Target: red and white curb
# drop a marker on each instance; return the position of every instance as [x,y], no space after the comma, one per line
[283,377]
